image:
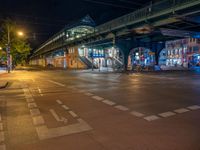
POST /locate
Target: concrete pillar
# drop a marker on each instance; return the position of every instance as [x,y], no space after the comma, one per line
[158,47]
[125,46]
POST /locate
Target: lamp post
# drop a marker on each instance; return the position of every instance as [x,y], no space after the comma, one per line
[8,50]
[9,58]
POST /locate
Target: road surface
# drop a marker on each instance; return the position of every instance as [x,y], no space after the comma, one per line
[79,110]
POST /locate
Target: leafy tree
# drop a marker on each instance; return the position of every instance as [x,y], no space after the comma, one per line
[19,48]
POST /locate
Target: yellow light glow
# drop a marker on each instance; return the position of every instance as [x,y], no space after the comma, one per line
[20,33]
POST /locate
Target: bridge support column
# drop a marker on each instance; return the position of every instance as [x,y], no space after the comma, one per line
[125,46]
[157,48]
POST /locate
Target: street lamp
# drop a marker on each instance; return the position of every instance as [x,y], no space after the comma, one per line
[9,60]
[20,33]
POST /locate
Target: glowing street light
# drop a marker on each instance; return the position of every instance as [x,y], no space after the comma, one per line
[9,58]
[20,33]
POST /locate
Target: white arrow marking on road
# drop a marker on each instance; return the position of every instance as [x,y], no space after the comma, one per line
[55,115]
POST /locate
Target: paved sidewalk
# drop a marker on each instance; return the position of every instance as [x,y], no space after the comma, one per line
[3,84]
[2,70]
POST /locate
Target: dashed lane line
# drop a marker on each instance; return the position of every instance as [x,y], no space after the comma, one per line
[120,107]
[32,105]
[29,100]
[167,114]
[88,94]
[81,91]
[38,120]
[108,102]
[65,107]
[59,102]
[2,136]
[35,112]
[194,107]
[73,114]
[57,83]
[98,98]
[151,118]
[137,114]
[181,110]
[1,126]
[40,91]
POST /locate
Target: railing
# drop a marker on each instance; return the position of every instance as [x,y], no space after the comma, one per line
[142,13]
[164,7]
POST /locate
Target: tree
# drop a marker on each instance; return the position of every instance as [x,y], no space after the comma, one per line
[19,48]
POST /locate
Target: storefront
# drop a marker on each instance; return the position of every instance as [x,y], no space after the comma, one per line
[176,53]
[102,57]
[141,57]
[182,53]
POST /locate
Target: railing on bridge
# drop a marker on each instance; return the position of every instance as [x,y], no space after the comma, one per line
[142,14]
[153,10]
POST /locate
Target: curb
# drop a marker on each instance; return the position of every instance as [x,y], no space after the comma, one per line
[4,86]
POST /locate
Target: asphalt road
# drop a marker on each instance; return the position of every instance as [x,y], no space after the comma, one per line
[80,110]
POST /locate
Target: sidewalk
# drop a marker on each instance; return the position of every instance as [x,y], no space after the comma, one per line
[3,84]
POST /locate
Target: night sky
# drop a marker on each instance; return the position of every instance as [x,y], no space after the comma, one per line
[43,18]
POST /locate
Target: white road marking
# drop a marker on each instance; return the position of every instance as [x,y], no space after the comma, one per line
[59,102]
[1,126]
[65,107]
[97,98]
[88,94]
[2,147]
[108,102]
[38,120]
[46,133]
[54,114]
[137,114]
[151,118]
[57,83]
[181,110]
[32,105]
[82,91]
[2,137]
[120,107]
[73,114]
[30,100]
[27,96]
[167,114]
[39,90]
[35,112]
[194,107]
[63,119]
[25,90]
